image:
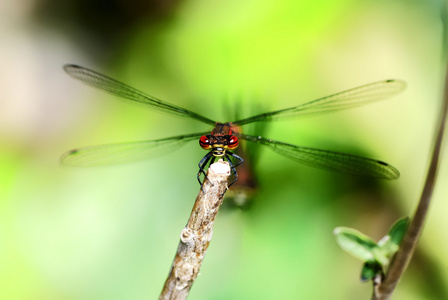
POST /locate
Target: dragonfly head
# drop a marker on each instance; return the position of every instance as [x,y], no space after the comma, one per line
[218,144]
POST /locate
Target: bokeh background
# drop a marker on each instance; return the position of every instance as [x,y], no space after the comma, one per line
[112,232]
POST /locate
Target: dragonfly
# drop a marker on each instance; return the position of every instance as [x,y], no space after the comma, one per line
[225,136]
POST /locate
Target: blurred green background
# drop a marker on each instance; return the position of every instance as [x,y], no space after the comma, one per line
[112,232]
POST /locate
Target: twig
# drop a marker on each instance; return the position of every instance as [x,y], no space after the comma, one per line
[404,254]
[197,234]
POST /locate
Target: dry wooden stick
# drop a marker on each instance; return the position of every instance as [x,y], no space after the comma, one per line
[197,234]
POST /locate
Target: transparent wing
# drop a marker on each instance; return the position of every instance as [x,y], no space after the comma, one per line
[124,91]
[347,99]
[334,161]
[124,152]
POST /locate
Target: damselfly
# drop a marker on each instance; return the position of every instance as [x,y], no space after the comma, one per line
[225,137]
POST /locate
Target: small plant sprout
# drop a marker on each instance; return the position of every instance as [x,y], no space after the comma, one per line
[376,256]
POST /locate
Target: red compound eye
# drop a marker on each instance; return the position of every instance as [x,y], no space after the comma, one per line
[204,142]
[233,143]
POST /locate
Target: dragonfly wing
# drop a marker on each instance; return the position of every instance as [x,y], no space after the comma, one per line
[124,152]
[330,160]
[347,99]
[122,90]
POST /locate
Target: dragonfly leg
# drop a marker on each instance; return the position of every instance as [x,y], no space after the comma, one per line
[203,164]
[233,166]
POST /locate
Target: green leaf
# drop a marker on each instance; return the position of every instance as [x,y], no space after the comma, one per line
[356,243]
[398,230]
[381,256]
[370,269]
[390,243]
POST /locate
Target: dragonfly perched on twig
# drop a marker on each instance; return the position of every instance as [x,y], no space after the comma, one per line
[225,136]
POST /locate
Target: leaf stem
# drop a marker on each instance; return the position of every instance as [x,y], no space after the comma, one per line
[401,260]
